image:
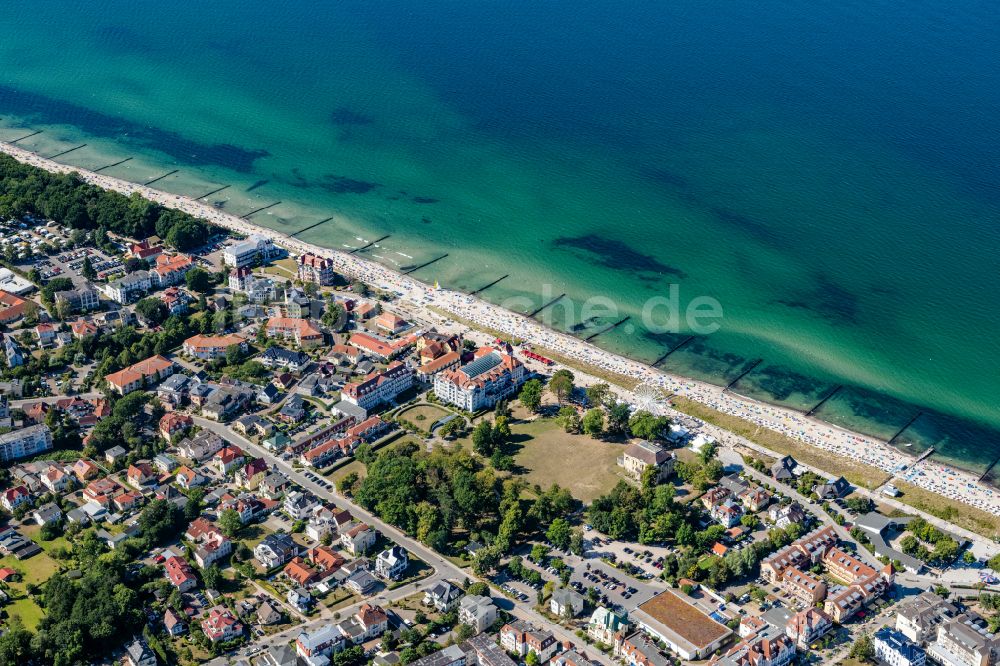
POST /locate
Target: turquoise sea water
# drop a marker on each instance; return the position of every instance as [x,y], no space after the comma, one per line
[826,171]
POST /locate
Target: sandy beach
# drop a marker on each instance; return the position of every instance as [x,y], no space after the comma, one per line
[934,476]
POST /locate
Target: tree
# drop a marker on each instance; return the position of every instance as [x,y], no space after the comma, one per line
[645,425]
[597,393]
[345,485]
[531,659]
[482,438]
[160,521]
[87,270]
[862,649]
[230,523]
[559,533]
[211,576]
[593,422]
[153,311]
[618,415]
[234,355]
[531,395]
[569,419]
[199,280]
[561,384]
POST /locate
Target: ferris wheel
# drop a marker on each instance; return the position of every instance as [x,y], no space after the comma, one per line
[649,398]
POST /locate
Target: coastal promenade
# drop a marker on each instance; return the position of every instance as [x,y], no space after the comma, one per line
[930,475]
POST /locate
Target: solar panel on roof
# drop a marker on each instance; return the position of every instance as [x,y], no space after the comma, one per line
[481,365]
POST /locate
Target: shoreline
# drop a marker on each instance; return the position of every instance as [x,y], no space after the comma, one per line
[940,478]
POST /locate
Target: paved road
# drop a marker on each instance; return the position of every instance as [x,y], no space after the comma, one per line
[442,567]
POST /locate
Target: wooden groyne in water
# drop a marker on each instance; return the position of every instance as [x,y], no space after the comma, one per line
[169,173]
[905,427]
[365,247]
[254,212]
[425,264]
[113,164]
[743,374]
[822,402]
[215,191]
[65,152]
[26,136]
[545,305]
[482,289]
[609,328]
[673,349]
[311,226]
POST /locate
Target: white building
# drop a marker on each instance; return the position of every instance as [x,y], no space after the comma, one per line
[25,442]
[379,387]
[129,288]
[478,612]
[392,562]
[481,384]
[894,649]
[247,252]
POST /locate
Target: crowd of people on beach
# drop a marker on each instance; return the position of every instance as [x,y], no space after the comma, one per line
[931,475]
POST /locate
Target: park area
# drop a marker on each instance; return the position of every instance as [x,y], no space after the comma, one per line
[423,416]
[547,454]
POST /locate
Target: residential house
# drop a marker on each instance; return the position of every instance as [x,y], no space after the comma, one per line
[228,458]
[640,455]
[785,469]
[299,505]
[180,574]
[221,625]
[174,623]
[137,376]
[251,474]
[55,479]
[833,489]
[299,598]
[47,513]
[24,442]
[565,602]
[605,624]
[294,409]
[276,549]
[268,614]
[285,359]
[301,331]
[211,347]
[172,423]
[964,641]
[358,539]
[14,497]
[170,269]
[443,596]
[807,626]
[520,638]
[315,269]
[188,478]
[479,612]
[783,515]
[140,474]
[392,562]
[299,572]
[129,288]
[211,544]
[894,649]
[82,299]
[138,653]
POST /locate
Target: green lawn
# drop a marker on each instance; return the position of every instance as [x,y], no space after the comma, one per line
[430,413]
[33,532]
[547,454]
[27,610]
[37,569]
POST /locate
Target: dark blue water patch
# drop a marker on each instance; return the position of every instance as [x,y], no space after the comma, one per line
[424,200]
[867,412]
[702,360]
[613,253]
[343,116]
[259,183]
[779,383]
[757,229]
[41,109]
[826,299]
[334,183]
